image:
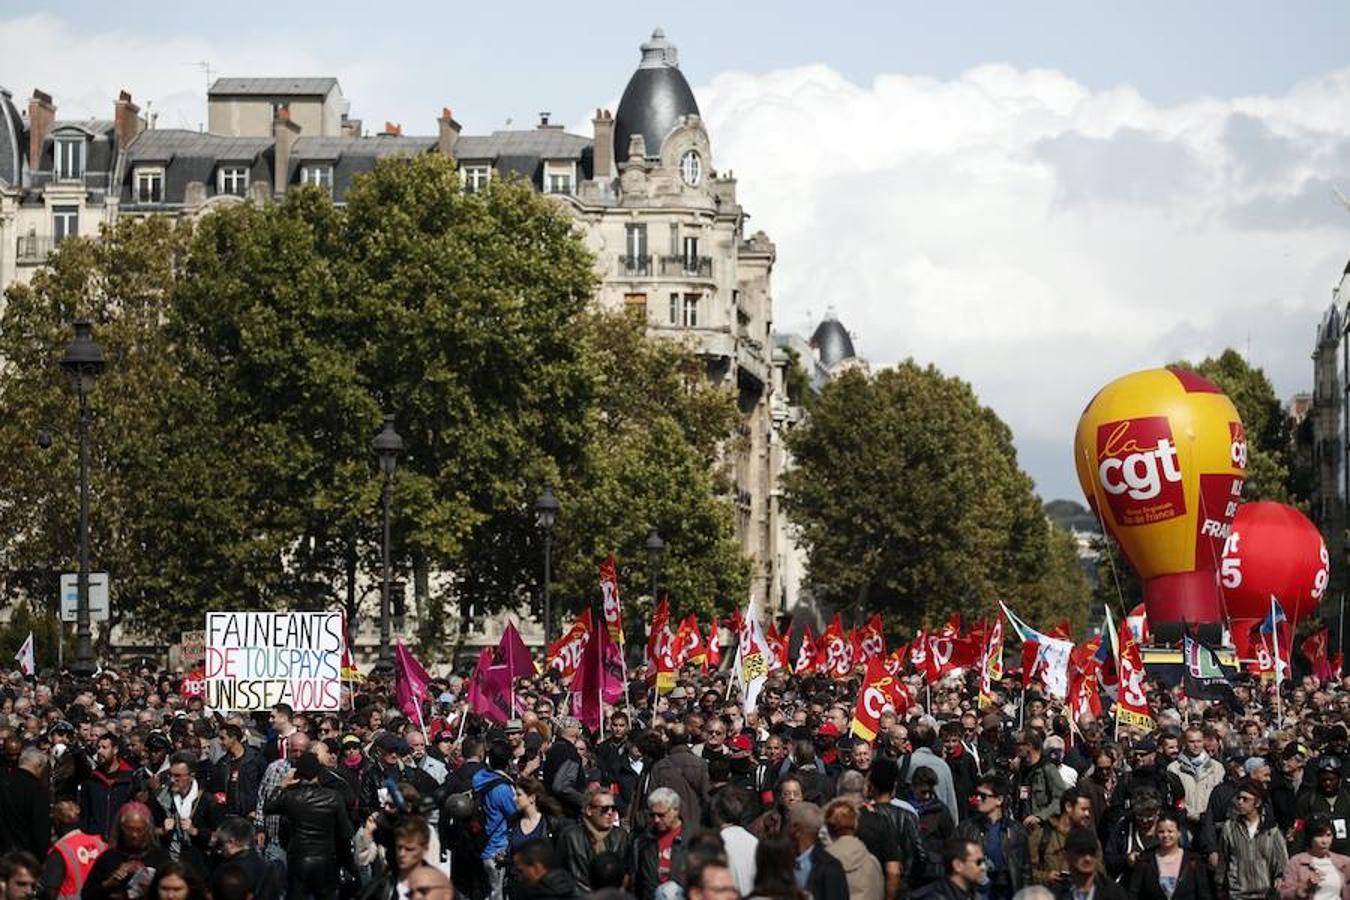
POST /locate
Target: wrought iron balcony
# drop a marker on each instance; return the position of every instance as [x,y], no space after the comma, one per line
[635,265]
[696,266]
[33,249]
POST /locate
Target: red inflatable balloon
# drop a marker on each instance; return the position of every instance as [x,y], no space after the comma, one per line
[1273,550]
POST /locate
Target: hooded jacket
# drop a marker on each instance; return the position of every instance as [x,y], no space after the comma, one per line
[861,869]
[1249,866]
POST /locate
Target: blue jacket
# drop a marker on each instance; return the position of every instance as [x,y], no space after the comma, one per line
[499,805]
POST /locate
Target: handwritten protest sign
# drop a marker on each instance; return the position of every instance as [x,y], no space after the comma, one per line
[257,660]
[192,650]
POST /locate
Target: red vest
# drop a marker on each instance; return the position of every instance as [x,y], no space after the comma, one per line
[80,851]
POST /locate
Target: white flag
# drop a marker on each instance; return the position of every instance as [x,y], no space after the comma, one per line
[753,656]
[25,657]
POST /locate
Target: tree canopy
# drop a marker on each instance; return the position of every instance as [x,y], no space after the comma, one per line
[251,357]
[911,501]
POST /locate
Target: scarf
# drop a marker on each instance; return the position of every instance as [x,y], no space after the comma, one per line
[1196,762]
[596,836]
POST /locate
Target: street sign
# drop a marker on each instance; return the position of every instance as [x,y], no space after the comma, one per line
[98,597]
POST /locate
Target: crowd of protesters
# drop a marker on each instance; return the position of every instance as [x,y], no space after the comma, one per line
[122,788]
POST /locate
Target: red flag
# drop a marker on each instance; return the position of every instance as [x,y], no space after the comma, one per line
[512,653]
[806,654]
[564,654]
[779,644]
[599,679]
[1337,664]
[896,662]
[879,690]
[410,682]
[609,594]
[659,641]
[1083,696]
[490,689]
[918,653]
[832,654]
[870,641]
[1315,649]
[1131,704]
[688,645]
[714,644]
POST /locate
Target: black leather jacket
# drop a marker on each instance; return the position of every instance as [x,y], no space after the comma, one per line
[317,818]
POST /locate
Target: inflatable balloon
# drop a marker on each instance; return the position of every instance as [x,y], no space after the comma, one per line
[1160,456]
[1273,549]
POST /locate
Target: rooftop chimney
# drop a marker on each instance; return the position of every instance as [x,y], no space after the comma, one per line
[392,130]
[284,133]
[447,131]
[126,123]
[41,115]
[544,123]
[602,160]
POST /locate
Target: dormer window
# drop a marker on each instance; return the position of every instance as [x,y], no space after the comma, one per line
[149,184]
[691,168]
[69,158]
[319,175]
[559,177]
[475,178]
[232,180]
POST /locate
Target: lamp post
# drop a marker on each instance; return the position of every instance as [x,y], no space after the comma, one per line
[656,548]
[387,446]
[83,363]
[546,514]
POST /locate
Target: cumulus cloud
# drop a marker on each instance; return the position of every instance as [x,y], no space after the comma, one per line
[1039,238]
[1013,226]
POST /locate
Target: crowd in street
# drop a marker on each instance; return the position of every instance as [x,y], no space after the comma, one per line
[122,788]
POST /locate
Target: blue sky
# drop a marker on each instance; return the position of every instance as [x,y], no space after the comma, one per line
[1035,197]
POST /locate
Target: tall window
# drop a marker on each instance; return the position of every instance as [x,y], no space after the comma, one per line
[691,254]
[475,178]
[65,222]
[674,239]
[320,176]
[233,180]
[69,158]
[676,309]
[149,185]
[690,310]
[635,247]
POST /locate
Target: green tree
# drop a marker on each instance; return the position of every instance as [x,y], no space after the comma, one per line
[123,283]
[1264,420]
[911,501]
[654,461]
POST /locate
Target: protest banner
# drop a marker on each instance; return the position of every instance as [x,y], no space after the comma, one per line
[255,660]
[192,650]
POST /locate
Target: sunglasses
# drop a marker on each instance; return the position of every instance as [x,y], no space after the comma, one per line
[985,795]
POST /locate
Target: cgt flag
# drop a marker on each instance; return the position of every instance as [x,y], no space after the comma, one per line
[659,647]
[1204,677]
[991,664]
[806,653]
[564,654]
[880,689]
[609,599]
[832,654]
[1131,705]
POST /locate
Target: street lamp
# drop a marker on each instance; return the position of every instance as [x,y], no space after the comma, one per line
[546,513]
[387,445]
[656,548]
[83,363]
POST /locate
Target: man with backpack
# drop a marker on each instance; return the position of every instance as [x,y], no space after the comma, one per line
[494,804]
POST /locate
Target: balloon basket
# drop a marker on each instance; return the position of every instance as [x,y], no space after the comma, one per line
[1165,664]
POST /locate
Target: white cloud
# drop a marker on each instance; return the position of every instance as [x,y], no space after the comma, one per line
[1015,227]
[1039,238]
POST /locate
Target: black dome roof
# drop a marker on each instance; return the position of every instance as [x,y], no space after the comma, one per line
[11,141]
[656,98]
[831,341]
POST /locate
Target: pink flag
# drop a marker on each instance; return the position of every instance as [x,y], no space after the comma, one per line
[489,689]
[599,678]
[512,653]
[410,682]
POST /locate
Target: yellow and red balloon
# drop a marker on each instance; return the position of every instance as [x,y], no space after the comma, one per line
[1161,456]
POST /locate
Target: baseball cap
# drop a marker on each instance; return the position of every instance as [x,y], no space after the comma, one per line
[1147,745]
[741,743]
[828,730]
[514,726]
[392,743]
[351,740]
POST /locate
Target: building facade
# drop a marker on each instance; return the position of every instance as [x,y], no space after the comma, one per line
[664,223]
